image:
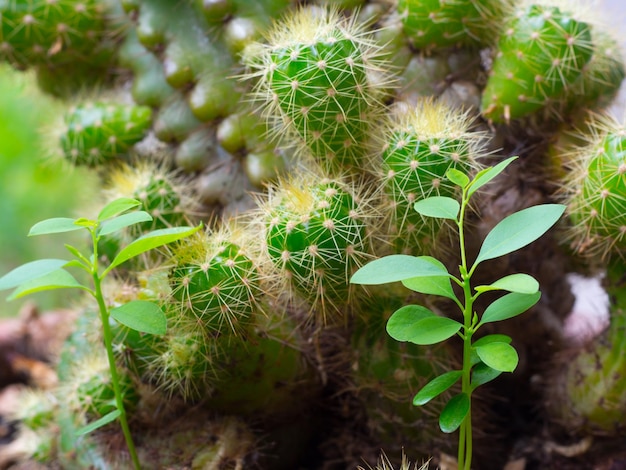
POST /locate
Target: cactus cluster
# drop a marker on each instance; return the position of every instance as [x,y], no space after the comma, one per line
[302,133]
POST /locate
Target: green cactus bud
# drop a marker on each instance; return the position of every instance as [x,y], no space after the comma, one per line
[100,132]
[149,86]
[433,24]
[196,151]
[175,121]
[595,191]
[419,146]
[316,235]
[315,82]
[541,52]
[216,281]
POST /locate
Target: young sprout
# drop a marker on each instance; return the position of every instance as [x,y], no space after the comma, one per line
[486,358]
[139,315]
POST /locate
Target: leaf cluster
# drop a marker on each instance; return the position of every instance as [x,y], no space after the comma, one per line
[493,354]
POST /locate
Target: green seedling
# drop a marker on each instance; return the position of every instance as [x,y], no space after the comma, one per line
[483,359]
[139,315]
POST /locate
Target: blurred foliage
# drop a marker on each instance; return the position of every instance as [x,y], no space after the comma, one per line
[34,184]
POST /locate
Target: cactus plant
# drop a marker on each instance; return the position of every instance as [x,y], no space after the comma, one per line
[541,52]
[316,234]
[100,132]
[595,190]
[315,78]
[420,145]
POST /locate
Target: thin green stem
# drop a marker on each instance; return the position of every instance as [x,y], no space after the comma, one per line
[108,344]
[465,437]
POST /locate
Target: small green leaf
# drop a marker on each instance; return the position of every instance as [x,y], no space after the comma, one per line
[76,253]
[482,373]
[520,283]
[509,306]
[484,176]
[419,325]
[458,177]
[29,271]
[474,359]
[122,221]
[441,207]
[142,316]
[116,207]
[395,268]
[106,419]
[454,413]
[401,323]
[55,225]
[498,356]
[59,279]
[436,387]
[496,338]
[432,285]
[150,241]
[518,230]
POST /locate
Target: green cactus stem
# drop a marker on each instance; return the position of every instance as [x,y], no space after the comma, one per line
[315,80]
[541,52]
[595,191]
[316,235]
[216,282]
[100,132]
[434,24]
[420,145]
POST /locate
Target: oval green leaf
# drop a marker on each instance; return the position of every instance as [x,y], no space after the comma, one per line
[55,225]
[482,374]
[519,283]
[496,338]
[395,268]
[29,271]
[401,324]
[454,413]
[432,285]
[122,221]
[441,207]
[458,177]
[150,241]
[484,176]
[518,230]
[106,419]
[116,207]
[433,330]
[509,306]
[142,316]
[436,387]
[59,279]
[498,356]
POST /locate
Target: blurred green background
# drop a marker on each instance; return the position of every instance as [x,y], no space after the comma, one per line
[35,185]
